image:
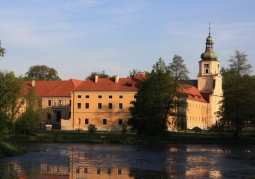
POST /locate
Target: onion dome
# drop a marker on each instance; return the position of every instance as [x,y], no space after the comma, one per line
[209,54]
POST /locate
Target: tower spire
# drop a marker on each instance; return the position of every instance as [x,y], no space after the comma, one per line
[209,28]
[209,54]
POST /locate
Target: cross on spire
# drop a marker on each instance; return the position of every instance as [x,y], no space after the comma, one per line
[209,28]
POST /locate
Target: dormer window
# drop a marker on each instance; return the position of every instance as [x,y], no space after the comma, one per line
[129,84]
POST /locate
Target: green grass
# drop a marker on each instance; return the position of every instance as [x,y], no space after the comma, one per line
[58,136]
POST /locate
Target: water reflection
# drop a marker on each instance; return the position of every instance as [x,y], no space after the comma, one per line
[59,161]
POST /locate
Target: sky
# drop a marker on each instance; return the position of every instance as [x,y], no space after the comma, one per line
[77,37]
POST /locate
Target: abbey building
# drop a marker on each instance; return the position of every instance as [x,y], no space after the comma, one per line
[105,102]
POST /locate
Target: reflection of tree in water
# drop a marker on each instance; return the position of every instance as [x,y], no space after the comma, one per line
[137,173]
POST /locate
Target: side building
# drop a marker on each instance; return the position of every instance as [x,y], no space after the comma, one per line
[56,100]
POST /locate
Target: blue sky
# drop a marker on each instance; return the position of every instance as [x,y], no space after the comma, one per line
[77,37]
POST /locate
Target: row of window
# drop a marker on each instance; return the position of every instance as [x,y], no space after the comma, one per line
[59,103]
[109,171]
[100,96]
[196,118]
[202,106]
[78,170]
[99,105]
[104,121]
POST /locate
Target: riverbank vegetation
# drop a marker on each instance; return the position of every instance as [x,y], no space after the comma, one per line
[10,150]
[191,137]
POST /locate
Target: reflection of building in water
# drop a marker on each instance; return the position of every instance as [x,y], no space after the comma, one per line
[78,171]
[80,165]
[61,172]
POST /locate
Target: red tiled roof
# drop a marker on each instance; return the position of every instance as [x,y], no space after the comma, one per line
[108,84]
[42,87]
[63,89]
[193,93]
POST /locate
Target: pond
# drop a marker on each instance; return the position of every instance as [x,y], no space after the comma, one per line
[80,161]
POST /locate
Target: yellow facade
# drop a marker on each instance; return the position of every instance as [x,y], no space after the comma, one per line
[107,110]
[197,114]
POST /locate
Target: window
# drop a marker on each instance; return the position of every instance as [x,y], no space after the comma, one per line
[99,105]
[87,96]
[86,121]
[120,106]
[87,105]
[104,121]
[120,121]
[98,171]
[59,102]
[109,171]
[110,106]
[206,65]
[70,102]
[135,96]
[119,171]
[79,105]
[49,102]
[69,115]
[85,170]
[77,170]
[110,96]
[120,96]
[79,96]
[99,96]
[48,116]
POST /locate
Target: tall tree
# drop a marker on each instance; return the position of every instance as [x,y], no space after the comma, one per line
[11,90]
[29,120]
[159,97]
[148,110]
[41,72]
[179,74]
[238,92]
[2,50]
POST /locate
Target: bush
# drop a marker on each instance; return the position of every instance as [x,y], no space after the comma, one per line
[92,128]
[28,122]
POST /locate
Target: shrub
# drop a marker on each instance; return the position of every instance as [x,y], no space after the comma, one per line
[92,128]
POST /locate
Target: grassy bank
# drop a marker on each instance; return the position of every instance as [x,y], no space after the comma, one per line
[10,150]
[206,137]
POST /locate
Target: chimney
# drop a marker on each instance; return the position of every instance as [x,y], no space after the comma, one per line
[117,78]
[33,83]
[96,78]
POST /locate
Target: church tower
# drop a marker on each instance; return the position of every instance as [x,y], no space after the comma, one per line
[210,80]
